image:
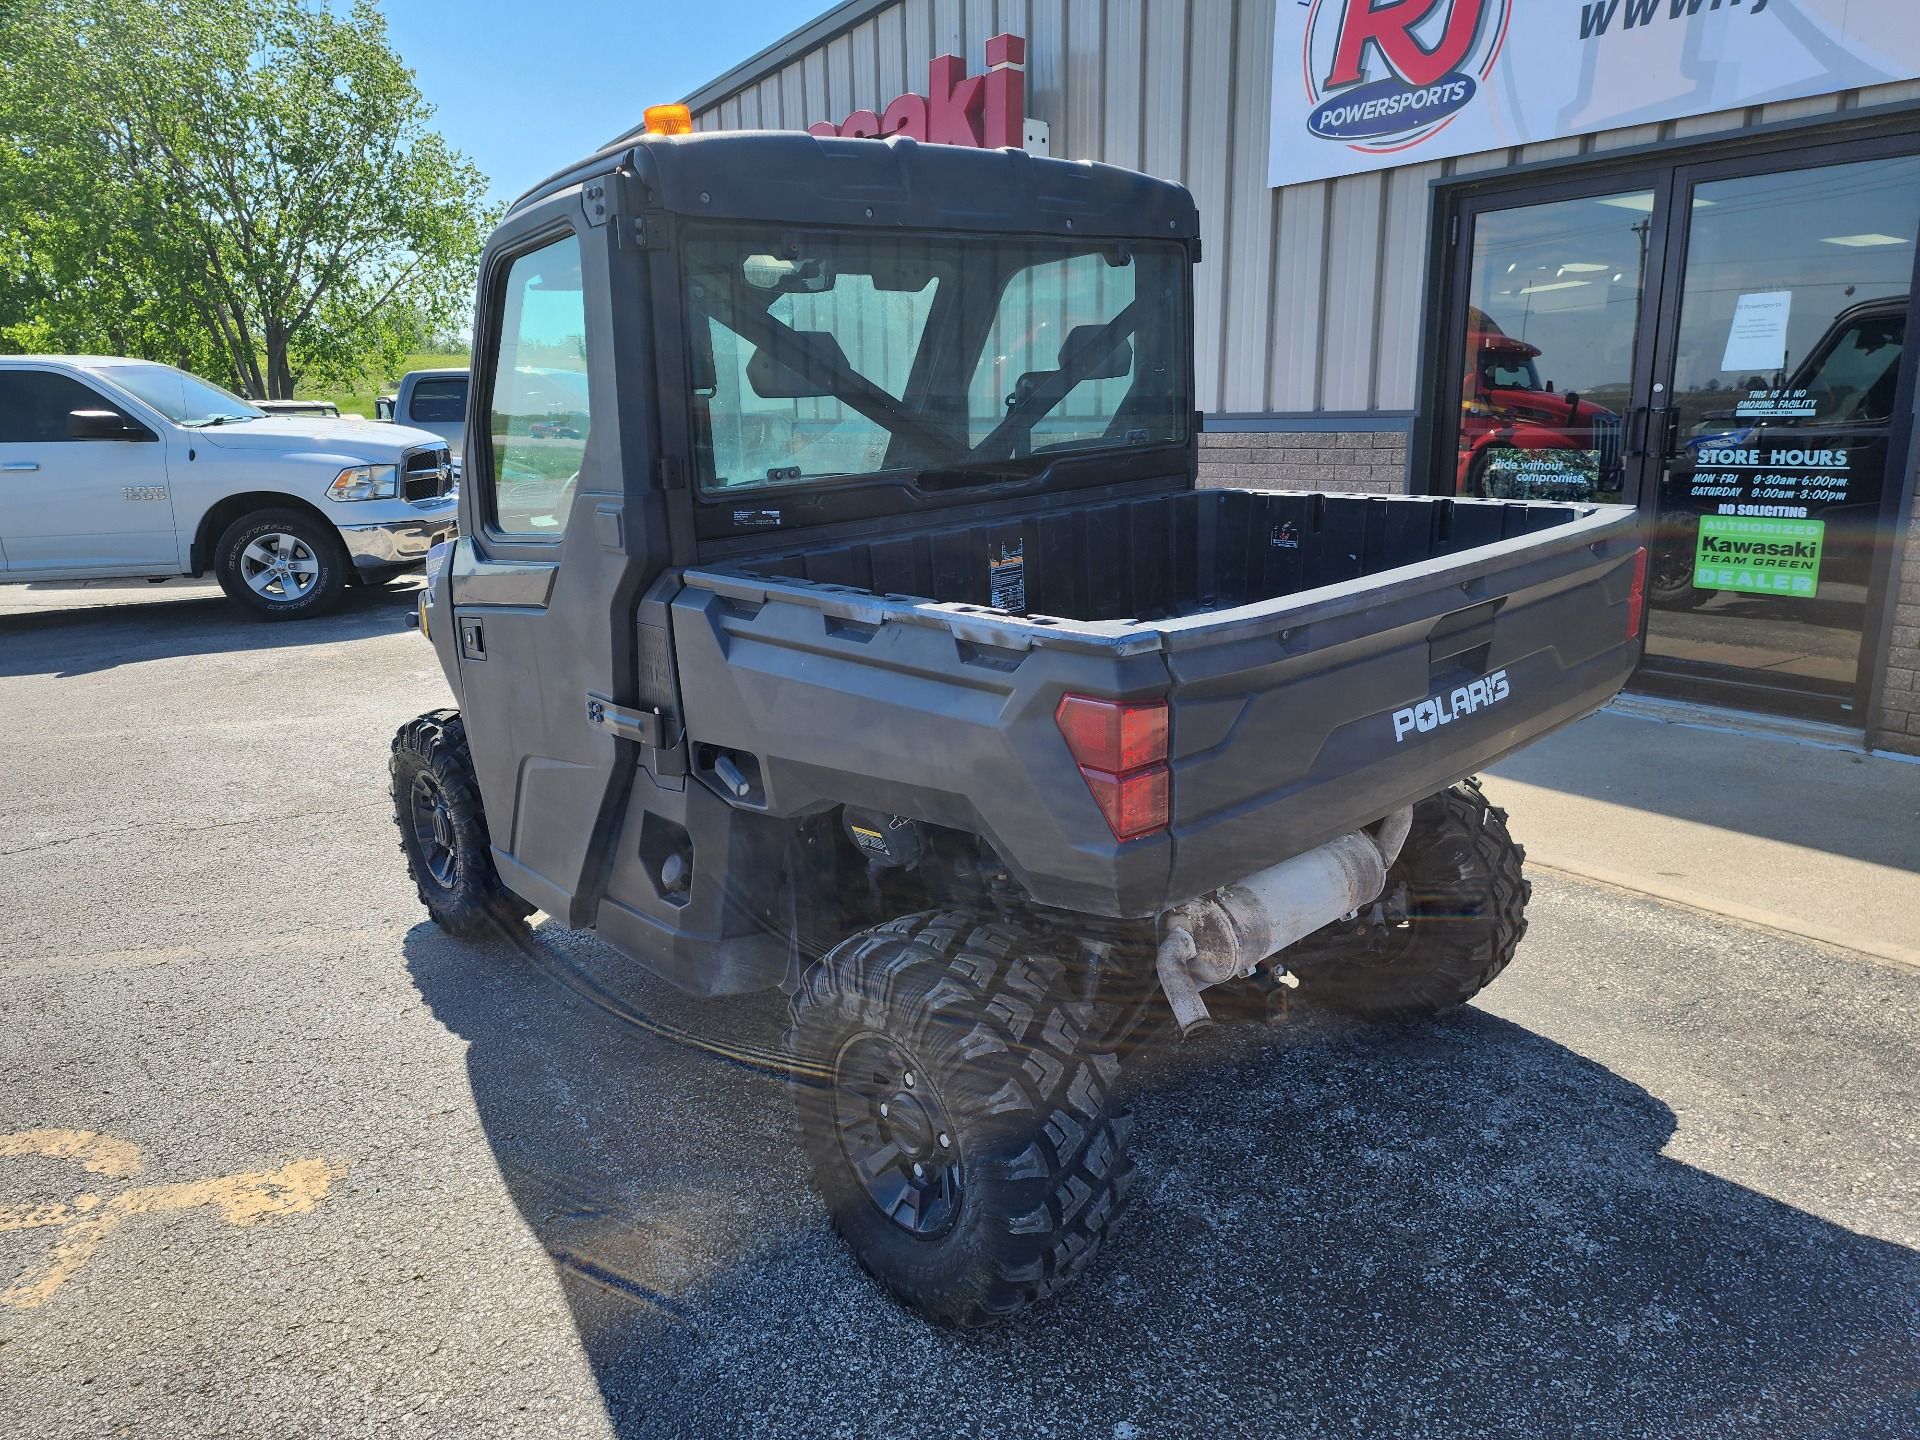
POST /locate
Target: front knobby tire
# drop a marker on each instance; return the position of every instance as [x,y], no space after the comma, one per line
[1034,1171]
[443,830]
[1453,913]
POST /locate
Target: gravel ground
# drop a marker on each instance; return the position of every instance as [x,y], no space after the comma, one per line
[1663,1180]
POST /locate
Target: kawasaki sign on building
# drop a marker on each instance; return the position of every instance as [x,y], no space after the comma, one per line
[1372,84]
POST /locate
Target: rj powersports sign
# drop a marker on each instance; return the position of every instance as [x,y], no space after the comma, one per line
[1364,85]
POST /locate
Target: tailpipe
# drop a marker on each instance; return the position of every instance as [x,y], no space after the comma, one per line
[1228,934]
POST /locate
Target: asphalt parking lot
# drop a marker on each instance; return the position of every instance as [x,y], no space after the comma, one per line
[277,1158]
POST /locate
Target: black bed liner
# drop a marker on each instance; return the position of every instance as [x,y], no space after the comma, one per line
[1164,556]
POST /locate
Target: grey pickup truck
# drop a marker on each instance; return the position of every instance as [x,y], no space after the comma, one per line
[834,608]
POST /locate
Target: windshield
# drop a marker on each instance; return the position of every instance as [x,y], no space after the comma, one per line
[1856,380]
[854,355]
[1508,370]
[184,399]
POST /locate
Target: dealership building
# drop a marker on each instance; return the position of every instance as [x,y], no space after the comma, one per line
[1654,252]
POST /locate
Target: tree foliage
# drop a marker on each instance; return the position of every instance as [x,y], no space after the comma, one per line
[251,189]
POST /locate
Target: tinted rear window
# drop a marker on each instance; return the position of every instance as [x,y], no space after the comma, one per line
[439,402]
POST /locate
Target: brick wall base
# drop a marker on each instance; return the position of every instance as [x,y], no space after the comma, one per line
[1900,702]
[1365,462]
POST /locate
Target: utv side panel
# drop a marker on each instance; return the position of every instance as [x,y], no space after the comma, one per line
[911,719]
[729,932]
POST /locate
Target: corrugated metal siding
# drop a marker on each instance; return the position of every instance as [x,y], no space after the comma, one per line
[1310,297]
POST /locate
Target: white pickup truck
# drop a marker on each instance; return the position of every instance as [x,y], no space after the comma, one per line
[113,467]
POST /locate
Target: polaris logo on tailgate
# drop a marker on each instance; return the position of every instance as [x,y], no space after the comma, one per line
[1431,714]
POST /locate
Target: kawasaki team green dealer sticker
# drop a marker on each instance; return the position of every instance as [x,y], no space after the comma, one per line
[1759,555]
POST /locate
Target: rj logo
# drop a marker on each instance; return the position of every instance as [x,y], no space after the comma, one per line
[1388,25]
[83,1222]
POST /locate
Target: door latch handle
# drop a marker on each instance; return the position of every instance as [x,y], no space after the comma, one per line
[16,467]
[647,727]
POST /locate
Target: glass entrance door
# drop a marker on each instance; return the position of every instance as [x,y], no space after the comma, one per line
[1722,344]
[1779,383]
[1554,349]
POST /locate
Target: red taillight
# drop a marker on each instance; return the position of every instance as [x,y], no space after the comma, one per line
[1113,734]
[1637,595]
[1135,804]
[1121,749]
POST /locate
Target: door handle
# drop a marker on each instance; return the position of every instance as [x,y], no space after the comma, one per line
[1637,432]
[1648,424]
[16,467]
[1657,438]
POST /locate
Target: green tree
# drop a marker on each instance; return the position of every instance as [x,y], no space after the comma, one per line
[249,188]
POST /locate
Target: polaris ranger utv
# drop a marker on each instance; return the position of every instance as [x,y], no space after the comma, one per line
[834,608]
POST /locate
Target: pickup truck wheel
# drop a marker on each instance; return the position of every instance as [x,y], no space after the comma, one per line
[959,1128]
[281,565]
[1453,912]
[443,831]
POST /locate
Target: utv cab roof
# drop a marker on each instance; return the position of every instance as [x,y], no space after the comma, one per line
[801,179]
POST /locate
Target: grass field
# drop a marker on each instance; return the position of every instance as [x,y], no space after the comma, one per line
[359,400]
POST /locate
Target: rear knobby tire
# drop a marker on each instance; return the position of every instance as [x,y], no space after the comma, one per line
[1037,1172]
[1454,911]
[443,830]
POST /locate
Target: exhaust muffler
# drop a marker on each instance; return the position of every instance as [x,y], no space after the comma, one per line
[1228,934]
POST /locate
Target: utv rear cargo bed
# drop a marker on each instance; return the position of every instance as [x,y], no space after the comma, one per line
[1165,556]
[1326,659]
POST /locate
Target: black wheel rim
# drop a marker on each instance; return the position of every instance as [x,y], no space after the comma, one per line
[434,831]
[1672,576]
[897,1137]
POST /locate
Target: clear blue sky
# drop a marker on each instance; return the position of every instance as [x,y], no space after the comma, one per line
[525,86]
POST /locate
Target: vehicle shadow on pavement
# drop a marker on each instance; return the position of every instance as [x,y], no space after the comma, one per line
[84,639]
[1458,1229]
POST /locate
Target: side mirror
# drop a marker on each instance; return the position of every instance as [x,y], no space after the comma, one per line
[105,425]
[1573,402]
[1094,352]
[797,366]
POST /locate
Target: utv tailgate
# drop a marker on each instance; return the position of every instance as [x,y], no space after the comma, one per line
[1294,718]
[1298,720]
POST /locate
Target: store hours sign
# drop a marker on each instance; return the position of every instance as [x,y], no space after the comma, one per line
[1363,85]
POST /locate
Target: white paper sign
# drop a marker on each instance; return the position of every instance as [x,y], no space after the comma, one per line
[1757,339]
[1363,85]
